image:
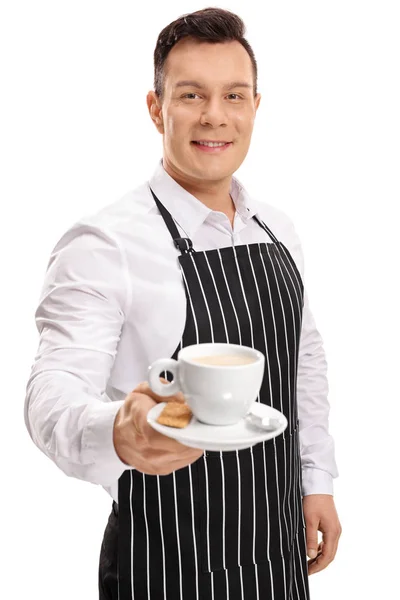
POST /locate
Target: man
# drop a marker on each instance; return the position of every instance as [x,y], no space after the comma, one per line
[141,279]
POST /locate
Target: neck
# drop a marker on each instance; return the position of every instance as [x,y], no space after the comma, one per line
[213,194]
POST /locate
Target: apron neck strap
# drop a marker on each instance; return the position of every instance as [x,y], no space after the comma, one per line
[267,229]
[185,245]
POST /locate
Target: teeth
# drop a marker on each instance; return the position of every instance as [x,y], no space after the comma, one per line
[211,144]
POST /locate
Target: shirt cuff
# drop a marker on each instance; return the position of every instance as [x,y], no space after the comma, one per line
[316,481]
[105,465]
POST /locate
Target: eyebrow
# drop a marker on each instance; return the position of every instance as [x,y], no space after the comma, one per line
[228,86]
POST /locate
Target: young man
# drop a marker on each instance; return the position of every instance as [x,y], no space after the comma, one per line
[189,257]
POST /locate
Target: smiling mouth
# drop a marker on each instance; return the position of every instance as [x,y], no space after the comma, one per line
[211,148]
[211,143]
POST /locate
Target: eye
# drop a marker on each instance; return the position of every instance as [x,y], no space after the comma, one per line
[189,94]
[237,96]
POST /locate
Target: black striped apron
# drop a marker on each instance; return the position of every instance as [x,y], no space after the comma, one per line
[231,525]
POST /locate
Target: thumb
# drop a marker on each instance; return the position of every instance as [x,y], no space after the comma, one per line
[312,540]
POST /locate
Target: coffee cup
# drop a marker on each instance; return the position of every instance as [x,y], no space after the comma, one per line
[219,381]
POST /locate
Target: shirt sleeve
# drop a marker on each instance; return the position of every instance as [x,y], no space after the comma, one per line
[80,317]
[316,444]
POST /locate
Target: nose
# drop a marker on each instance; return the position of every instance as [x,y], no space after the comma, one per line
[214,114]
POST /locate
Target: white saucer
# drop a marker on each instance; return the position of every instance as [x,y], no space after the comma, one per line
[221,438]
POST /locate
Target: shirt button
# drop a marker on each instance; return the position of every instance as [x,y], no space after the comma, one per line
[236,238]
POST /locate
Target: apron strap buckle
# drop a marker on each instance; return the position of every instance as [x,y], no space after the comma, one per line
[185,245]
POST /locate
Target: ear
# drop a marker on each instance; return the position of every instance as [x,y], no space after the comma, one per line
[155,110]
[257,100]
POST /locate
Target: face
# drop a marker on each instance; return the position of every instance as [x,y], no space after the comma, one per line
[208,96]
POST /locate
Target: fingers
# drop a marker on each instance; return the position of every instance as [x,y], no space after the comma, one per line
[144,388]
[320,515]
[312,537]
[157,440]
[327,551]
[154,439]
[141,446]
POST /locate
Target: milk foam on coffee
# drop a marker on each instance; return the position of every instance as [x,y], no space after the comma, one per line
[224,360]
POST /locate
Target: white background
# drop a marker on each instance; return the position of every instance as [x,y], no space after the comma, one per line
[76,135]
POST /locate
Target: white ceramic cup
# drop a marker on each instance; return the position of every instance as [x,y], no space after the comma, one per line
[217,395]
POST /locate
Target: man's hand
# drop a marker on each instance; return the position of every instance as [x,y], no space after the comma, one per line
[139,445]
[320,515]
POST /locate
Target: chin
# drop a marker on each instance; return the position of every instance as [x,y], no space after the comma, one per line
[211,174]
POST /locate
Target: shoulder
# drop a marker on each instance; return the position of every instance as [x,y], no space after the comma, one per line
[97,242]
[112,224]
[123,214]
[91,254]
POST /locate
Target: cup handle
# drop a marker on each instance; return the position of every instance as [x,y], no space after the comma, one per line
[164,389]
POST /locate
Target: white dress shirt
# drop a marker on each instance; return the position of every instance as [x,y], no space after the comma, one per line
[113,302]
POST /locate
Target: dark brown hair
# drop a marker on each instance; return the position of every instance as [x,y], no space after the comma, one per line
[213,25]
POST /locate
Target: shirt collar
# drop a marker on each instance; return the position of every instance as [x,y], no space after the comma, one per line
[186,209]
